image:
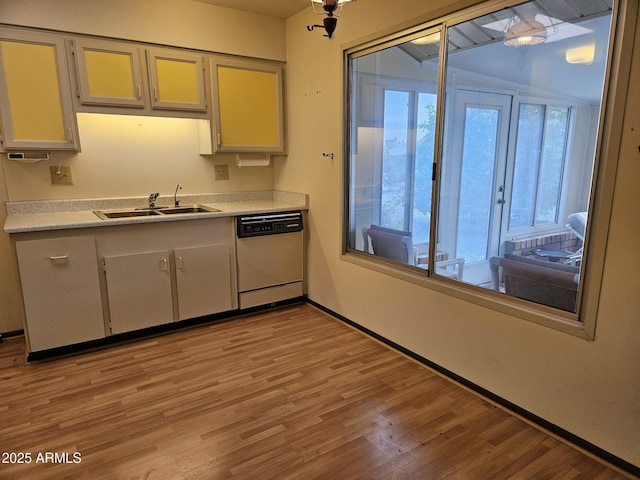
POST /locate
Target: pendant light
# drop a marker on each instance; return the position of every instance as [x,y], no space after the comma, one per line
[524,31]
[330,9]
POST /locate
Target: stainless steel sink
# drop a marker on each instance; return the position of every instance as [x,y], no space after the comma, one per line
[107,214]
[188,209]
[146,212]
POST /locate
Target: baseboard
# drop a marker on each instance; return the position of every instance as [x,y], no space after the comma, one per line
[13,333]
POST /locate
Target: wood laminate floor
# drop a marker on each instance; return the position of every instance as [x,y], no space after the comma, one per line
[284,394]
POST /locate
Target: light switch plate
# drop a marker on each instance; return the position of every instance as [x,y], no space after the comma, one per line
[221,172]
[61,175]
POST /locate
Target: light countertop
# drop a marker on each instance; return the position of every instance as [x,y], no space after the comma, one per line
[68,214]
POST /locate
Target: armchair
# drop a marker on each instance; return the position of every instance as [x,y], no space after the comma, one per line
[397,245]
[539,281]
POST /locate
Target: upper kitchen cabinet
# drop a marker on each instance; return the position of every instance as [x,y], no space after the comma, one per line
[108,73]
[112,75]
[35,95]
[176,80]
[248,100]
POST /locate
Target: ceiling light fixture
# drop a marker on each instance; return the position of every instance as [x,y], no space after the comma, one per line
[331,9]
[581,55]
[524,31]
[427,39]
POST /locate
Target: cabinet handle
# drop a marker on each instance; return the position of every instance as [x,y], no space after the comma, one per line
[139,92]
[164,265]
[59,258]
[179,262]
[155,93]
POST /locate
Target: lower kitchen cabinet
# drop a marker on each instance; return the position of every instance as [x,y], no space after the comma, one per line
[139,291]
[139,286]
[61,291]
[117,279]
[203,280]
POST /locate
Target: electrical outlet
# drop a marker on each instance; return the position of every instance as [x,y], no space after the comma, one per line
[61,175]
[221,172]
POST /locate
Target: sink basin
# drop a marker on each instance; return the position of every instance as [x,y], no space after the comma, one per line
[146,212]
[106,214]
[188,209]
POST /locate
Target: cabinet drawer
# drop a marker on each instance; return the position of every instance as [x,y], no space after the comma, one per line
[61,291]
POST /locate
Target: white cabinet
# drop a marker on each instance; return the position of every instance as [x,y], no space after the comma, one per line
[156,274]
[139,286]
[108,73]
[35,96]
[61,291]
[248,101]
[139,291]
[203,280]
[176,80]
[123,278]
[113,74]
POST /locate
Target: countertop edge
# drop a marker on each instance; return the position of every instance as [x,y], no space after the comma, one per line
[24,217]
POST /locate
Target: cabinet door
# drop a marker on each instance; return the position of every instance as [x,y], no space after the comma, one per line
[35,96]
[203,278]
[249,106]
[61,291]
[109,73]
[176,80]
[139,291]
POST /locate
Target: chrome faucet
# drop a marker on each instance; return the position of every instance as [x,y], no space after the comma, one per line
[152,199]
[176,202]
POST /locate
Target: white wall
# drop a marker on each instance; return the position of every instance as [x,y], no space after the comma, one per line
[591,389]
[132,156]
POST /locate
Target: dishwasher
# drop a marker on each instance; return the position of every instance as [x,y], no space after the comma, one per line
[270,253]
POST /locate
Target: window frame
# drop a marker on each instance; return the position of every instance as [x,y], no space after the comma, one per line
[582,323]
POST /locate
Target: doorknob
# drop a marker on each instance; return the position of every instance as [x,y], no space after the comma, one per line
[501,201]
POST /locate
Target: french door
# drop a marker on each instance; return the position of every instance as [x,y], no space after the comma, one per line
[473,188]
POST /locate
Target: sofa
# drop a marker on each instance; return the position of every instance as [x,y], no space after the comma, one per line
[544,282]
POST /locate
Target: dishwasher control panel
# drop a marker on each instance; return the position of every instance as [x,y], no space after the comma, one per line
[268,224]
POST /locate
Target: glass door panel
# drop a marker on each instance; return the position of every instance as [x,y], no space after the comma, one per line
[473,189]
[477,182]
